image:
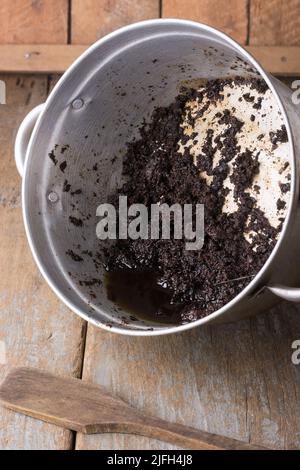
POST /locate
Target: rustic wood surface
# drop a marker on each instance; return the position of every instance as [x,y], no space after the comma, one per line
[92,19]
[274,22]
[230,16]
[41,58]
[38,58]
[237,380]
[34,21]
[88,408]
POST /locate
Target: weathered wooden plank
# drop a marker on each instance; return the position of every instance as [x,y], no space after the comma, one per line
[229,16]
[39,58]
[92,19]
[57,58]
[34,21]
[280,60]
[35,327]
[237,379]
[274,23]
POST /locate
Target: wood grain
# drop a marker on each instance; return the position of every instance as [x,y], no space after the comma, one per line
[38,58]
[229,16]
[34,21]
[57,58]
[35,328]
[92,19]
[274,22]
[235,380]
[88,408]
[278,60]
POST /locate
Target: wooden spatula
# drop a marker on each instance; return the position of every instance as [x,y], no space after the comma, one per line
[87,408]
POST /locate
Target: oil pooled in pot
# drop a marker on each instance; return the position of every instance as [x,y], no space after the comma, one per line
[141,295]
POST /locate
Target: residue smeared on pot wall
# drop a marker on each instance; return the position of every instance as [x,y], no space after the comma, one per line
[260,130]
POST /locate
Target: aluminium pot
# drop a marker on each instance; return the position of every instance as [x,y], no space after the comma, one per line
[94,109]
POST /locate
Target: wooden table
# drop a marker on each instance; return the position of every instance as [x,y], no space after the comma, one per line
[237,379]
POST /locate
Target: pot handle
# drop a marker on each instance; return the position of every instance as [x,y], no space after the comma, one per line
[23,137]
[286,293]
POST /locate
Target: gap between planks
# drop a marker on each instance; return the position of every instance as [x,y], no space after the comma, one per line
[41,58]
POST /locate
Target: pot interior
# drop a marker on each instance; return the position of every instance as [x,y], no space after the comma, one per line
[93,112]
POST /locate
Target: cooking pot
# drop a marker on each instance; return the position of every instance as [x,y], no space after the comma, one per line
[69,153]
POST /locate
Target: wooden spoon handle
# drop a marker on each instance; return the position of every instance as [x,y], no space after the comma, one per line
[184,436]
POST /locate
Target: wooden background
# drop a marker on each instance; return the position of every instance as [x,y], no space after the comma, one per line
[238,379]
[47,35]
